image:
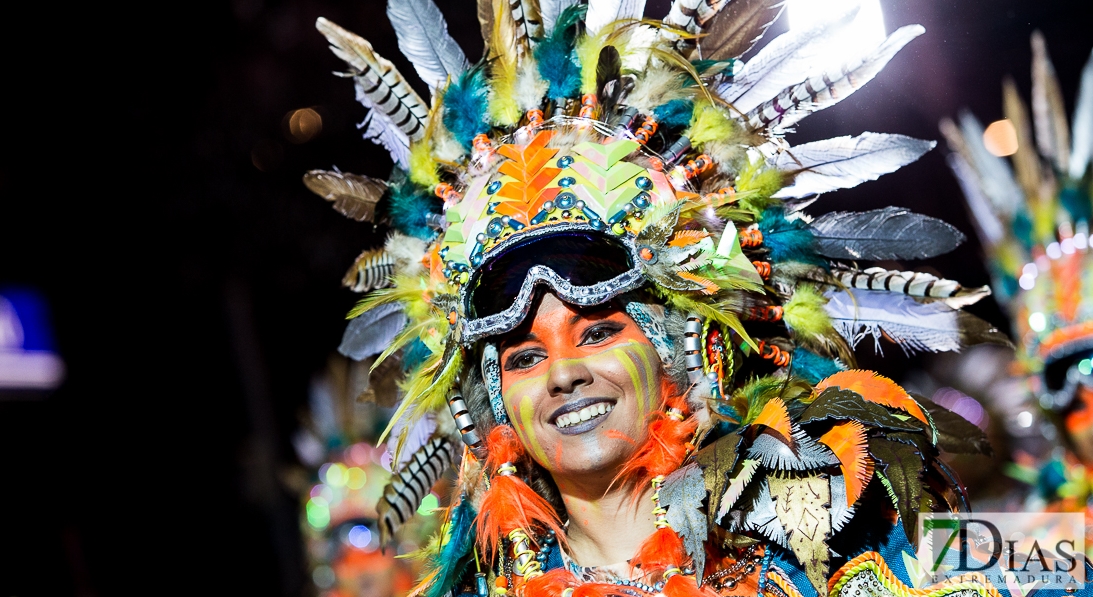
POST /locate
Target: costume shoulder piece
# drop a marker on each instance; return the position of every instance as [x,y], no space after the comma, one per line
[650,155]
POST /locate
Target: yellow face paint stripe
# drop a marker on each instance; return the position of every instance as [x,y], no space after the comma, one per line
[635,378]
[650,372]
[527,415]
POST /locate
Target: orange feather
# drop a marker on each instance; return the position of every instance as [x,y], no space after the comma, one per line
[659,551]
[874,388]
[708,287]
[684,238]
[686,586]
[847,441]
[775,416]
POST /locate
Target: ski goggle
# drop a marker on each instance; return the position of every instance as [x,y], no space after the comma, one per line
[581,266]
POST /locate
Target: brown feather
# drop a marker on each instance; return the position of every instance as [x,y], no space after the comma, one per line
[736,28]
[486,11]
[354,196]
[1048,109]
[1026,164]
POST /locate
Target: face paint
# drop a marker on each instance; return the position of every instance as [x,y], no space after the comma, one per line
[579,387]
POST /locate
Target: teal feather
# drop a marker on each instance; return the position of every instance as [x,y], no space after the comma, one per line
[557,61]
[1076,203]
[812,367]
[787,240]
[450,561]
[466,106]
[408,208]
[674,114]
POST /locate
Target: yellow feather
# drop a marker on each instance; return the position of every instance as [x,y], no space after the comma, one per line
[504,55]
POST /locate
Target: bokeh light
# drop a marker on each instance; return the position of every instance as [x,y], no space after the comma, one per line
[267,155]
[355,478]
[323,577]
[318,513]
[334,474]
[1085,367]
[1000,138]
[1037,321]
[302,125]
[360,536]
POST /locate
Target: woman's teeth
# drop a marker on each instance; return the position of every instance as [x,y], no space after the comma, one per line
[584,414]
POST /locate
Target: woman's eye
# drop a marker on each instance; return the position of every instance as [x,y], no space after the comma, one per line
[599,334]
[524,360]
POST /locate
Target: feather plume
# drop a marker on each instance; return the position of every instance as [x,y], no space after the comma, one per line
[1082,150]
[915,326]
[709,122]
[504,54]
[1048,108]
[424,39]
[554,55]
[845,162]
[551,10]
[804,314]
[486,11]
[658,85]
[918,284]
[886,233]
[993,174]
[354,196]
[408,437]
[786,60]
[410,484]
[828,89]
[604,12]
[456,541]
[466,104]
[847,441]
[608,69]
[408,208]
[787,239]
[681,15]
[812,367]
[988,226]
[373,331]
[735,28]
[1025,162]
[396,114]
[371,269]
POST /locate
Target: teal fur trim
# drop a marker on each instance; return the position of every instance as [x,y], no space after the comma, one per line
[812,367]
[787,240]
[555,56]
[466,107]
[674,114]
[408,208]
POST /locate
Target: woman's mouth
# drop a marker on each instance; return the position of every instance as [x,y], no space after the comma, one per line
[582,415]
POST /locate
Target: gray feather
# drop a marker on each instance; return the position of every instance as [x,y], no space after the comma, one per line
[372,332]
[1082,124]
[602,12]
[886,233]
[424,39]
[845,162]
[549,10]
[916,326]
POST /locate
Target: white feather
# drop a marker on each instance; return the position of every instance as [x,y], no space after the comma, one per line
[379,129]
[986,221]
[1048,112]
[798,101]
[530,87]
[549,10]
[407,251]
[373,331]
[788,59]
[996,177]
[845,162]
[424,39]
[1082,124]
[915,326]
[682,15]
[603,12]
[413,437]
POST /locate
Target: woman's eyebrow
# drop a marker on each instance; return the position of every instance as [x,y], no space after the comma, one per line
[528,337]
[597,314]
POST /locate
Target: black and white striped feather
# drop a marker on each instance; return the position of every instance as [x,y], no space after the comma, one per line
[825,90]
[371,269]
[786,60]
[424,39]
[845,162]
[918,284]
[412,482]
[887,233]
[396,115]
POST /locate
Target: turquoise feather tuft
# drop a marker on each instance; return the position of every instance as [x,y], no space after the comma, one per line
[787,240]
[812,367]
[408,208]
[466,107]
[449,562]
[675,113]
[557,61]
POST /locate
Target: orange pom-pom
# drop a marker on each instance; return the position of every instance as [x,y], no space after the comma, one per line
[509,503]
[685,586]
[660,551]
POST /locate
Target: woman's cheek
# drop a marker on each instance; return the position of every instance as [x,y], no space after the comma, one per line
[520,407]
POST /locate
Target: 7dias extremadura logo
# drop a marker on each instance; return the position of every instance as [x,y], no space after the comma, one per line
[1024,552]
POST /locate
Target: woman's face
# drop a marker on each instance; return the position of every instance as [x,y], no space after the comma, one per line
[578,386]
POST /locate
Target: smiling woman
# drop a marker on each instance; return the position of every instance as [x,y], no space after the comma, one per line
[605,290]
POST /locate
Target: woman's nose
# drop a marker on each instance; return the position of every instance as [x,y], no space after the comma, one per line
[566,375]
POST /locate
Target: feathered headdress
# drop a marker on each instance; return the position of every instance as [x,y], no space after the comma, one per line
[1032,212]
[599,153]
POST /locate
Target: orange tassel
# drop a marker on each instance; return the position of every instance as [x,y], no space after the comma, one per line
[660,551]
[685,586]
[550,584]
[666,447]
[509,503]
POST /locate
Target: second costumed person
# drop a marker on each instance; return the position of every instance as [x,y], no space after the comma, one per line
[620,326]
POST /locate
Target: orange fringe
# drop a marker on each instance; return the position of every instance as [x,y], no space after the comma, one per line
[509,503]
[660,551]
[666,447]
[685,586]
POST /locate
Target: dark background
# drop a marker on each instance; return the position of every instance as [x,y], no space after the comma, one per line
[194,295]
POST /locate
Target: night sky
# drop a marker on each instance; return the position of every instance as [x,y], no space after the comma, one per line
[194,295]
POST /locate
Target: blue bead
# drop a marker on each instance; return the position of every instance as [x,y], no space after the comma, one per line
[642,200]
[490,208]
[596,223]
[565,200]
[618,217]
[567,181]
[564,162]
[494,187]
[515,225]
[644,183]
[494,228]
